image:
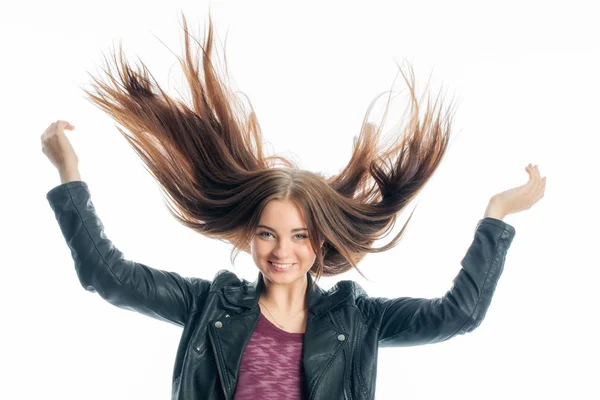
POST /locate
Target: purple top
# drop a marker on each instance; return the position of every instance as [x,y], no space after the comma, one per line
[271,365]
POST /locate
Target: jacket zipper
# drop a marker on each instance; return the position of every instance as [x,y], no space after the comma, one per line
[347,369]
[346,397]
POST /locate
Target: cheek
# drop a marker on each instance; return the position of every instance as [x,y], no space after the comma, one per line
[259,249]
[307,253]
[262,250]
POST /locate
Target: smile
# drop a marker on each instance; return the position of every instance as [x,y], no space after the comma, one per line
[281,266]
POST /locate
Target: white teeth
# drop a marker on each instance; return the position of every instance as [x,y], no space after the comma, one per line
[281,265]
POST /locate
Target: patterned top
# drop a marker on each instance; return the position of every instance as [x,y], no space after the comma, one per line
[271,365]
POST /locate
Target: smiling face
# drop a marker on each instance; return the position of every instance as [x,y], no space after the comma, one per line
[281,237]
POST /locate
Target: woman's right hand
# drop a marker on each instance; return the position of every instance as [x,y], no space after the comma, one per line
[57,147]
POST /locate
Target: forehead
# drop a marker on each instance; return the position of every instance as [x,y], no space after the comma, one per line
[282,213]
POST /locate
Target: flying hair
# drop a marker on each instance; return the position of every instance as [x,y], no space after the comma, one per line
[207,156]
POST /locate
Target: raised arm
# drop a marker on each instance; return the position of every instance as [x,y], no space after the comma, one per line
[407,321]
[102,268]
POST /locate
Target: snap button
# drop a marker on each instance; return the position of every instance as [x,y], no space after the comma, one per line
[341,338]
[198,348]
[219,324]
[227,316]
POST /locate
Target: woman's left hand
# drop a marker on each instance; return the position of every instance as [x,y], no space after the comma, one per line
[523,197]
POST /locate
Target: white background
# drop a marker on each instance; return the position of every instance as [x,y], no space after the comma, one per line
[526,76]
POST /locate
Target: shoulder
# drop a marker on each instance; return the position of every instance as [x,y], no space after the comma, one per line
[226,278]
[350,288]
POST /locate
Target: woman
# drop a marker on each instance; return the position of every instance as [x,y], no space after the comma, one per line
[281,336]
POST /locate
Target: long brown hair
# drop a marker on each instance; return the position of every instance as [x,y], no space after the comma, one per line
[208,158]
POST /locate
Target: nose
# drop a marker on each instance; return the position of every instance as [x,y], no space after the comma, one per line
[282,249]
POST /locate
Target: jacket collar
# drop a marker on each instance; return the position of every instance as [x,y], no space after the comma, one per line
[319,301]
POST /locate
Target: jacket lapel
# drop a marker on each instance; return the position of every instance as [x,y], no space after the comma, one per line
[322,340]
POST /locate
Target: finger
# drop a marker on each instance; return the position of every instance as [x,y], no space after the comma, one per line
[530,185]
[538,178]
[539,195]
[61,124]
[531,168]
[532,177]
[542,189]
[543,186]
[534,174]
[534,185]
[529,171]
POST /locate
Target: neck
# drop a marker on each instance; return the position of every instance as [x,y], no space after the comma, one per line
[288,298]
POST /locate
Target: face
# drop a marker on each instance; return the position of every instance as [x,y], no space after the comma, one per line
[282,237]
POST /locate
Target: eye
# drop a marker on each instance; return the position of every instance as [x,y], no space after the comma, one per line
[261,233]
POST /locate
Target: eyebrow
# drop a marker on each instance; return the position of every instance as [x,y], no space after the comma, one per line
[271,229]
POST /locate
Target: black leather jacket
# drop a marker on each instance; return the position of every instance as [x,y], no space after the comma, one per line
[345,326]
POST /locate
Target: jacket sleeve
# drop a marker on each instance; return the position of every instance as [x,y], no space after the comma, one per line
[102,268]
[407,321]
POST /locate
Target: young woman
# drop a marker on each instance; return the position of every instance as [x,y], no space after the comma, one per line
[281,336]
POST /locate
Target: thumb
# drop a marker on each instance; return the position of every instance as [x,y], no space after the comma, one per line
[65,125]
